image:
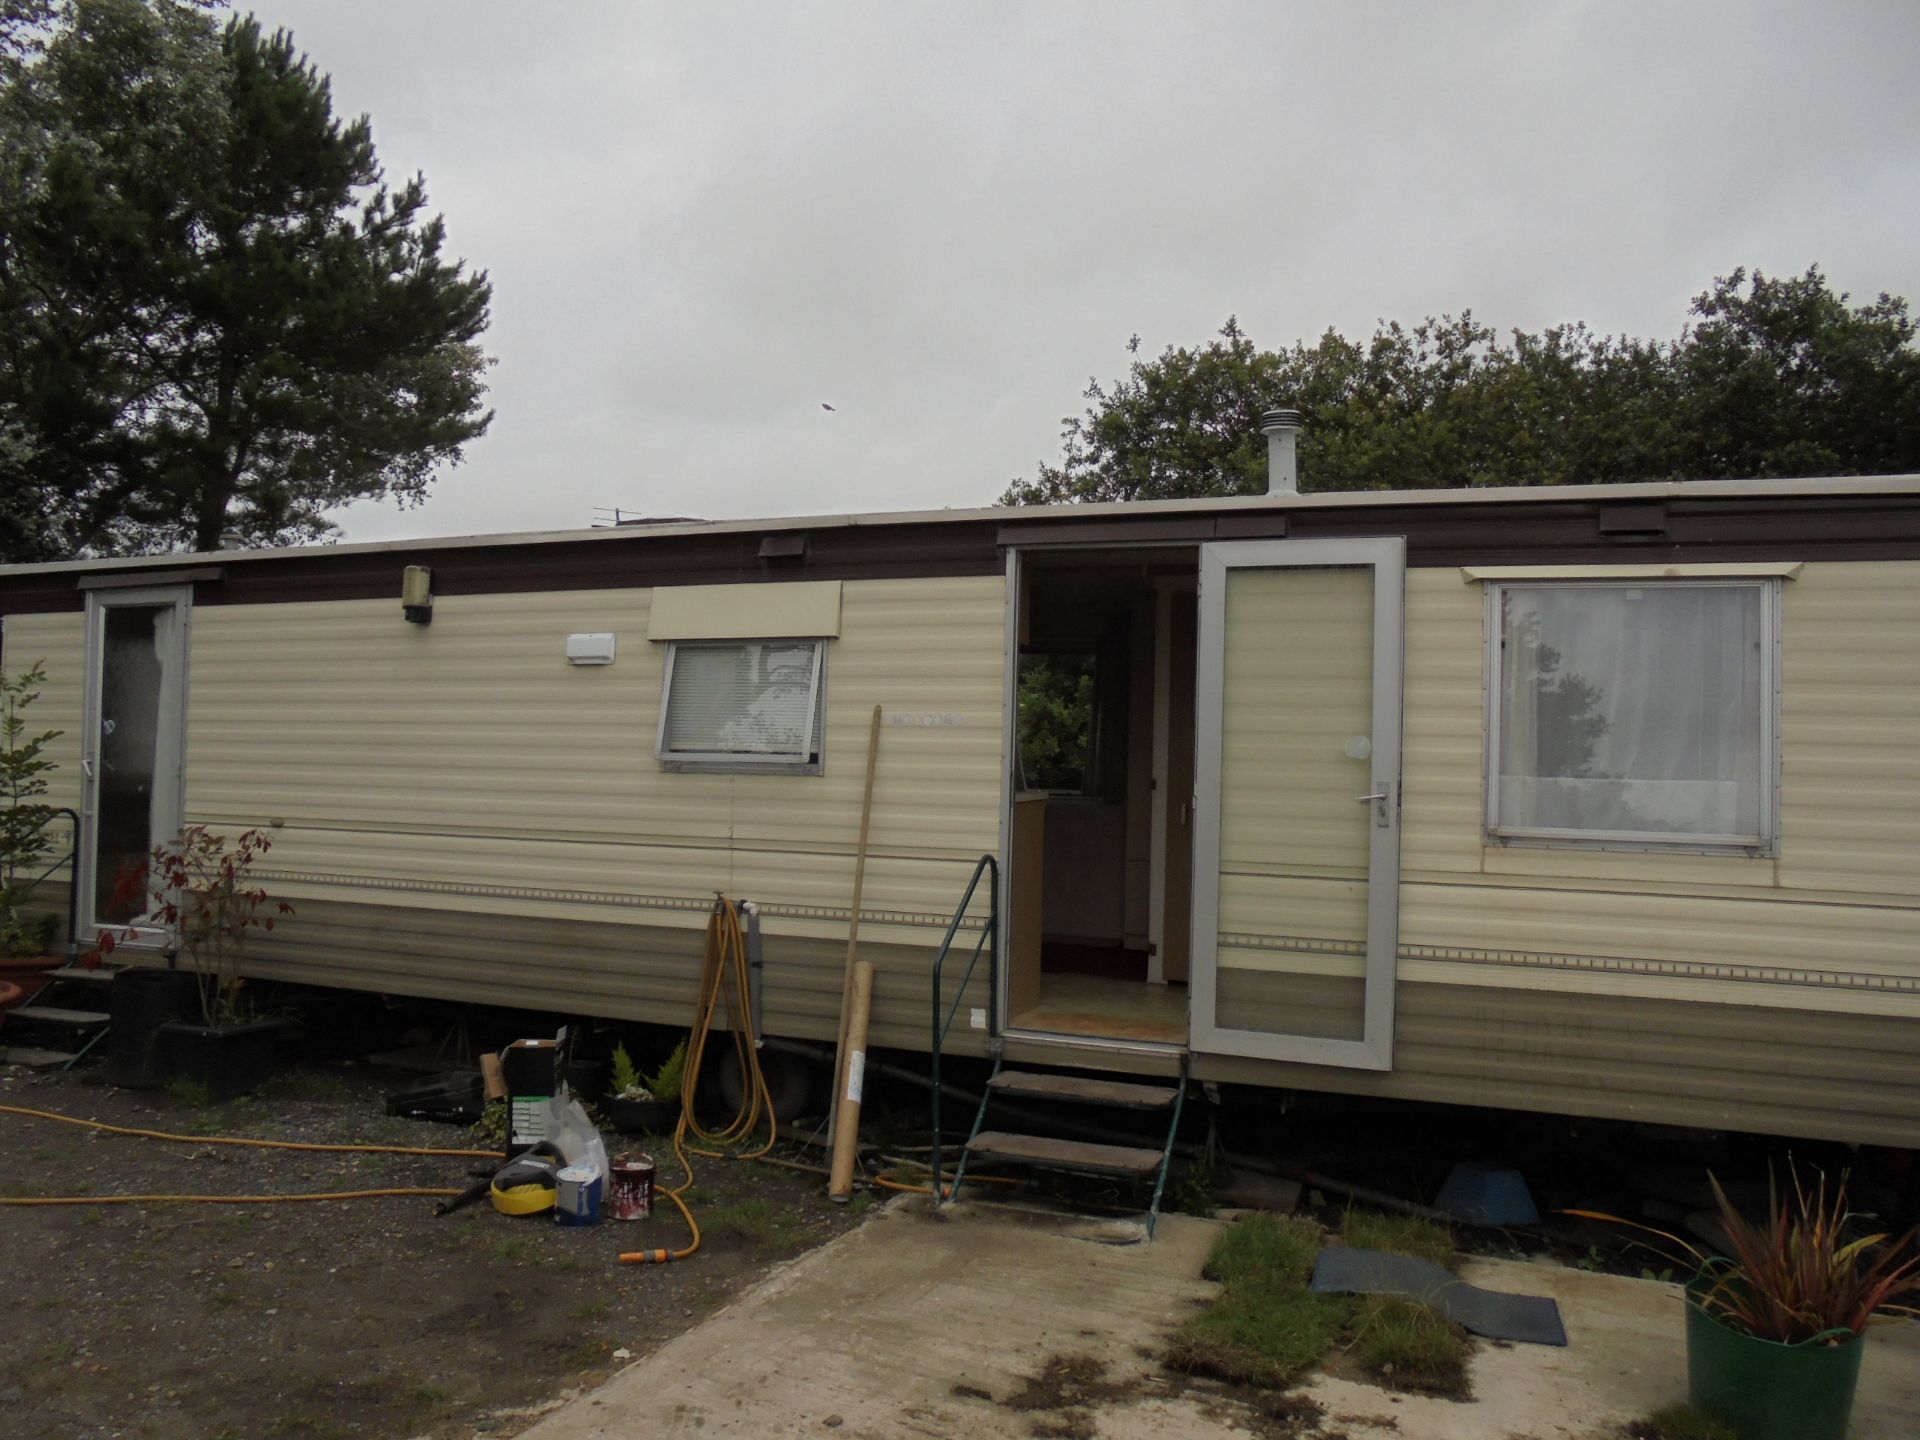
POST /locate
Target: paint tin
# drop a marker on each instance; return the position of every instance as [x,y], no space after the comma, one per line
[630,1187]
[576,1199]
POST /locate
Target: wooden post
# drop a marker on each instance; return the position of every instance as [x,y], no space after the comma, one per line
[846,1141]
[853,932]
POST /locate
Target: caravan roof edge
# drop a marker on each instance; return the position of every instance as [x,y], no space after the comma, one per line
[1680,490]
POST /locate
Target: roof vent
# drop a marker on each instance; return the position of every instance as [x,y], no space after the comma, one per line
[1282,429]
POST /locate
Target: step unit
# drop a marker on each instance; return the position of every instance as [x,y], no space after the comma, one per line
[1031,1090]
[61,1025]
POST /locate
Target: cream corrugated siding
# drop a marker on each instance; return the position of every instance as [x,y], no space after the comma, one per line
[469,754]
[1850,729]
[59,644]
[1850,821]
[1835,1077]
[632,972]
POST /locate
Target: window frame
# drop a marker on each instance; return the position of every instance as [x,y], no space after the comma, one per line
[785,763]
[1764,845]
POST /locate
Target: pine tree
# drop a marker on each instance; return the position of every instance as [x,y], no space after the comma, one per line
[215,313]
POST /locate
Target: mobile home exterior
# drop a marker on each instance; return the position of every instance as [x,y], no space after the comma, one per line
[1599,801]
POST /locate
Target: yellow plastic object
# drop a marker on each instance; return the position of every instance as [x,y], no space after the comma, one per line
[528,1199]
[526,1185]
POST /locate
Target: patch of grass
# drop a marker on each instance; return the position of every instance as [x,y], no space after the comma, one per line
[223,1299]
[307,1424]
[307,1084]
[765,1225]
[591,1310]
[1259,1334]
[1272,1249]
[194,1094]
[516,1250]
[1407,1346]
[1398,1235]
[1681,1422]
[586,1354]
[431,1395]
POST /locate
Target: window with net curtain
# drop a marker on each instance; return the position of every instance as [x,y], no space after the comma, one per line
[1637,713]
[745,704]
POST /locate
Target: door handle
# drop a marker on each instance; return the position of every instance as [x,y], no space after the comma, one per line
[1382,802]
[86,766]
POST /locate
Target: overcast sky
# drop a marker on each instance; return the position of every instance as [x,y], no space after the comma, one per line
[703,221]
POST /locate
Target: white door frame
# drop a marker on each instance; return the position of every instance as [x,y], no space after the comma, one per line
[170,744]
[1387,559]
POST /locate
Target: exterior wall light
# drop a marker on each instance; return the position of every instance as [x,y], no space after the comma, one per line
[416,594]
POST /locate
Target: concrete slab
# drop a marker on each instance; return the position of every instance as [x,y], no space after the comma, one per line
[928,1325]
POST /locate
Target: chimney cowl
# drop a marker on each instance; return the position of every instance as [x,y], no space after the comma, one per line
[1282,429]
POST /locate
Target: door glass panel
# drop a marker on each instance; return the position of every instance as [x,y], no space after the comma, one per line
[134,654]
[1296,743]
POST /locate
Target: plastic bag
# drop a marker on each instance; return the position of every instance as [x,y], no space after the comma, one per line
[569,1128]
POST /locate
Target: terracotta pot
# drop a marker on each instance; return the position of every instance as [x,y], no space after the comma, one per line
[10,996]
[29,972]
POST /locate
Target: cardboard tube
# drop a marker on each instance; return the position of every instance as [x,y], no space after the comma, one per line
[494,1077]
[846,1140]
[853,930]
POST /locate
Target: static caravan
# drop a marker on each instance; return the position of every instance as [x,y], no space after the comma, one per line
[1599,801]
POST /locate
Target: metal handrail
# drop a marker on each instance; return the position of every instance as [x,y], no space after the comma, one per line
[990,942]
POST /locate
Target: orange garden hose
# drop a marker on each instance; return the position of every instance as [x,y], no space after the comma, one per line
[101,1125]
[724,978]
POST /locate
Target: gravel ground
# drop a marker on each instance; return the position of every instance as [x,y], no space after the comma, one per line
[362,1318]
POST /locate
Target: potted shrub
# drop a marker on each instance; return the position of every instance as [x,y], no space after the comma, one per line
[1774,1328]
[646,1104]
[203,891]
[27,853]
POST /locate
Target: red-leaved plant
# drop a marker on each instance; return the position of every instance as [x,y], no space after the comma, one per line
[200,888]
[1795,1276]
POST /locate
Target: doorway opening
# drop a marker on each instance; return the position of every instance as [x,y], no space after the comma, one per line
[1100,863]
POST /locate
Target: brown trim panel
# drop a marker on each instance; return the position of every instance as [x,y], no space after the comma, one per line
[1851,526]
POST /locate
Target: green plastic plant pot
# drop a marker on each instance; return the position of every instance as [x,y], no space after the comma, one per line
[1766,1390]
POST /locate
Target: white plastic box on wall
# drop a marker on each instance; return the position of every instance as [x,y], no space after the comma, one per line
[590,649]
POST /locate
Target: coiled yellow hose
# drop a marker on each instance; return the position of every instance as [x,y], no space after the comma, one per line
[724,979]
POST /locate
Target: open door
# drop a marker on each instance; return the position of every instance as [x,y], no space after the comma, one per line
[1297,800]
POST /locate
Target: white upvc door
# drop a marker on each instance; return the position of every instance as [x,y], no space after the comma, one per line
[1296,842]
[132,752]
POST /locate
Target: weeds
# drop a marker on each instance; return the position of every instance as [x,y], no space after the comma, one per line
[760,1222]
[1407,1346]
[193,1094]
[1398,1235]
[1259,1334]
[1190,1189]
[1265,1247]
[1268,1328]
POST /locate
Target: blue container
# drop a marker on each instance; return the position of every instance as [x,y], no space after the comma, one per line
[577,1197]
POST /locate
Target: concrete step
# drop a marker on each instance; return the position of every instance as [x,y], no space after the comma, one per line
[1064,1154]
[60,1015]
[33,1057]
[99,975]
[1083,1090]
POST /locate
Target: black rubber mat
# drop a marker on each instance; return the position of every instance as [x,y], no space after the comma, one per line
[1531,1319]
